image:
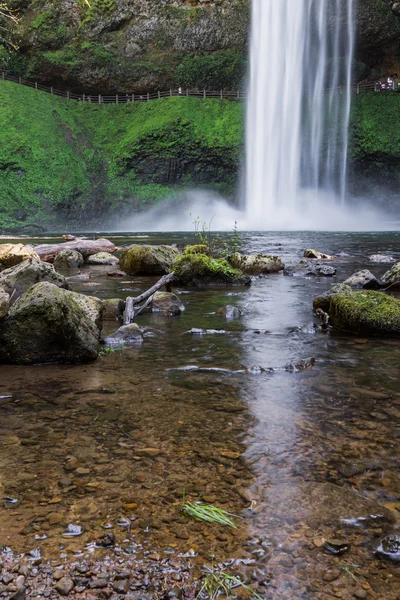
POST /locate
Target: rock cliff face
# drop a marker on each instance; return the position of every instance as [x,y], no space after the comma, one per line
[137,45]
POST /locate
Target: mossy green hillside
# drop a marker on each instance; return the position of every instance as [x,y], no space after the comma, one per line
[72,162]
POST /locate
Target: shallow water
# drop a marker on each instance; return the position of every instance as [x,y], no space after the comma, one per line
[293,452]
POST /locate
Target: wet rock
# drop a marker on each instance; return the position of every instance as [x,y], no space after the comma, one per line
[331,575]
[256,264]
[20,594]
[116,274]
[102,258]
[64,586]
[306,269]
[121,587]
[337,547]
[363,279]
[320,503]
[127,334]
[68,259]
[390,278]
[316,254]
[73,531]
[4,303]
[113,309]
[231,313]
[54,518]
[349,469]
[98,583]
[17,280]
[360,594]
[49,324]
[366,313]
[166,303]
[301,365]
[381,258]
[390,547]
[148,260]
[324,301]
[107,540]
[14,254]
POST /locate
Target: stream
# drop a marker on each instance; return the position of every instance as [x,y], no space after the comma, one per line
[235,415]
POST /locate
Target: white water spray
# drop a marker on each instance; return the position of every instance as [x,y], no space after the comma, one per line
[298,109]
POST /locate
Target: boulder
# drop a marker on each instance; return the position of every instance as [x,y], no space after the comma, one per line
[200,270]
[116,274]
[392,277]
[20,278]
[316,254]
[148,260]
[166,303]
[365,312]
[256,264]
[363,279]
[307,269]
[68,259]
[102,258]
[324,301]
[4,303]
[230,313]
[125,335]
[50,324]
[113,309]
[13,254]
[390,547]
[381,258]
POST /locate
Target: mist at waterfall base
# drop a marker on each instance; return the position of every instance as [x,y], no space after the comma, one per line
[297,128]
[318,214]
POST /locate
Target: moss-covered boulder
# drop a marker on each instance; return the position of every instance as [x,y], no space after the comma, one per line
[256,264]
[68,259]
[20,278]
[365,312]
[102,258]
[49,324]
[392,277]
[324,301]
[4,303]
[14,254]
[148,260]
[199,270]
[167,304]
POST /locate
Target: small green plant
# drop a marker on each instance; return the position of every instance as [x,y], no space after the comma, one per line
[106,351]
[215,583]
[209,513]
[216,244]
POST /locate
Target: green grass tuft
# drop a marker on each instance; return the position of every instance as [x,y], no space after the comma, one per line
[209,513]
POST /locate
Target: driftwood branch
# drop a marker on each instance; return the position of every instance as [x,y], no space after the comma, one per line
[131,308]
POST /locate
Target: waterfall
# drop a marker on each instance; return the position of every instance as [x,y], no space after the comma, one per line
[298,108]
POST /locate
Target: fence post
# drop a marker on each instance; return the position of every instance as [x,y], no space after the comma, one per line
[35,85]
[170,93]
[20,81]
[340,90]
[3,76]
[99,99]
[116,99]
[148,96]
[133,97]
[187,93]
[238,94]
[358,88]
[222,95]
[67,95]
[204,94]
[159,94]
[83,97]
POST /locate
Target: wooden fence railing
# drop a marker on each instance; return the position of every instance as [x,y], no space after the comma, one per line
[124,98]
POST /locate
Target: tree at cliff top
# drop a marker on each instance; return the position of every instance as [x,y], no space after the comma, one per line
[8,21]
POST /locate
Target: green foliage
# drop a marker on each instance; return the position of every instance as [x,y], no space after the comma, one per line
[223,70]
[209,513]
[214,243]
[202,265]
[50,31]
[375,126]
[91,10]
[216,583]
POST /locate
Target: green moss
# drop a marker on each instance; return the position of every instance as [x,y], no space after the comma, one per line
[201,265]
[366,312]
[132,260]
[197,249]
[222,70]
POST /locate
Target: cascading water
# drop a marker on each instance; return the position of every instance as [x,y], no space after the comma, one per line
[299,104]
